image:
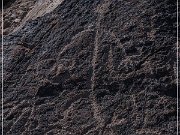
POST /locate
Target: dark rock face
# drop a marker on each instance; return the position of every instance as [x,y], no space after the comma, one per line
[7,3]
[93,67]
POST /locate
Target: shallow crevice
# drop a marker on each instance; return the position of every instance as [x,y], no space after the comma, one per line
[49,90]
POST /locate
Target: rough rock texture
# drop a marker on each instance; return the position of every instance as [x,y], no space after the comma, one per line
[41,7]
[18,12]
[14,12]
[93,67]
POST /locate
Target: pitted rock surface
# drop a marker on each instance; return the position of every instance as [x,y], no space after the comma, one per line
[93,67]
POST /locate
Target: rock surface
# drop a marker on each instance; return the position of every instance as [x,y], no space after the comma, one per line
[14,12]
[18,12]
[93,67]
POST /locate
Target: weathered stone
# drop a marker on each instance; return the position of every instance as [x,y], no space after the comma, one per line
[93,67]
